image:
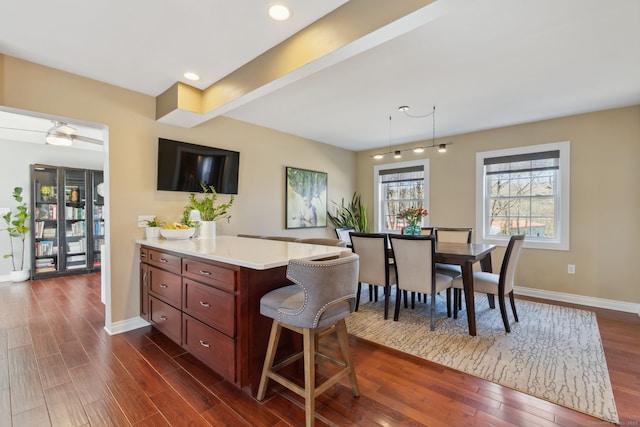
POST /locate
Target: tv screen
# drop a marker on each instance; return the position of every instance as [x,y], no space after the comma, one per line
[183,166]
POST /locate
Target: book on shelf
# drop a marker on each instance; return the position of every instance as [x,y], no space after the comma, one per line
[77,246]
[72,212]
[45,248]
[45,264]
[46,211]
[42,230]
[76,266]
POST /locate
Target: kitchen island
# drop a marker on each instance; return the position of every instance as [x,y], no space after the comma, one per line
[204,294]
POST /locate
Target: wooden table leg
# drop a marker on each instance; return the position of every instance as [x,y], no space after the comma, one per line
[467,282]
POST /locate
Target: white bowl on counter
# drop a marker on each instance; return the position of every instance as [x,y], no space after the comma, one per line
[177,234]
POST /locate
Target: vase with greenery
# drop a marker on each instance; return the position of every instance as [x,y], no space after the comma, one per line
[153,227]
[210,210]
[16,226]
[349,215]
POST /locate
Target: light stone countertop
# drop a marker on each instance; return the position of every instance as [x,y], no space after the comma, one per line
[257,254]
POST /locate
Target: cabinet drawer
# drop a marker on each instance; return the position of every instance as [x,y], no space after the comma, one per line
[165,261]
[218,277]
[165,318]
[214,349]
[165,285]
[144,254]
[209,305]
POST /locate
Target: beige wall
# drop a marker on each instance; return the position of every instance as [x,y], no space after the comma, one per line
[605,203]
[132,146]
[605,200]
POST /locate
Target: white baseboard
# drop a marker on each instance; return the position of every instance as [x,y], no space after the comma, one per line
[627,307]
[126,325]
[6,278]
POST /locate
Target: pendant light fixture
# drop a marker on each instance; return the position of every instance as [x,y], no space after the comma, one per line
[397,154]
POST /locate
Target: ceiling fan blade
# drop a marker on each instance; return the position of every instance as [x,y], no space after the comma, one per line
[86,139]
[24,130]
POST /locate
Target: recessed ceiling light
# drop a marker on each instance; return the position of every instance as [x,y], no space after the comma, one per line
[279,12]
[191,76]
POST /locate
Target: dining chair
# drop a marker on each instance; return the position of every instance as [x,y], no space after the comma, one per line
[343,234]
[375,266]
[496,284]
[415,270]
[452,235]
[322,296]
[424,231]
[324,241]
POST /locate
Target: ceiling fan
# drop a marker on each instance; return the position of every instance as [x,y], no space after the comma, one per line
[60,133]
[63,134]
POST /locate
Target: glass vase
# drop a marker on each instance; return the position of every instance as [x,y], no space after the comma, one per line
[412,230]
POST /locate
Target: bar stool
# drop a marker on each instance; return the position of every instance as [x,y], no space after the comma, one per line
[323,295]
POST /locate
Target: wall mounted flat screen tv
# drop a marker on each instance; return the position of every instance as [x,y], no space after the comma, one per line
[183,166]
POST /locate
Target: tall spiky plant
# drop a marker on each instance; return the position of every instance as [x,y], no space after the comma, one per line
[352,215]
[17,227]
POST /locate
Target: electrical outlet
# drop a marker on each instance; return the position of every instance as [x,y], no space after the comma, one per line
[142,220]
[571,269]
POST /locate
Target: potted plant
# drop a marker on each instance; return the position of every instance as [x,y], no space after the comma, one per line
[353,215]
[16,226]
[153,228]
[209,212]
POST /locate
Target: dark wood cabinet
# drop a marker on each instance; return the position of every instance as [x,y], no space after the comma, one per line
[218,305]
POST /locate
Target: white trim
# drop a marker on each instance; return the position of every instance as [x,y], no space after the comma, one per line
[562,242]
[377,221]
[126,325]
[6,278]
[627,307]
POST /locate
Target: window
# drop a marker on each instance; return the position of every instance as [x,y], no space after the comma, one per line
[399,186]
[524,191]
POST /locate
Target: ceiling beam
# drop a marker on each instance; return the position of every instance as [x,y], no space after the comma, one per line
[355,27]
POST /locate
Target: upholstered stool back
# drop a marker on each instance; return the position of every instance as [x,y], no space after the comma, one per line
[323,294]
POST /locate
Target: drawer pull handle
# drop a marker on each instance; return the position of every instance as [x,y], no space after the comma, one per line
[163,260]
[143,255]
[162,285]
[205,304]
[163,317]
[205,344]
[205,273]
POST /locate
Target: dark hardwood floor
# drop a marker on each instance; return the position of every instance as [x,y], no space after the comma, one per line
[59,367]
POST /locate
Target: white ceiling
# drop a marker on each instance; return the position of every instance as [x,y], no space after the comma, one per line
[483,64]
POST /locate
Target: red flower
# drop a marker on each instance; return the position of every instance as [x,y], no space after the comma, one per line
[413,215]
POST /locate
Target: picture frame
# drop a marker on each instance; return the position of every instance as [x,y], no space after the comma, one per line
[306,198]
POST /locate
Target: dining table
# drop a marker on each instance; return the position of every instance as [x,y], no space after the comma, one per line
[465,255]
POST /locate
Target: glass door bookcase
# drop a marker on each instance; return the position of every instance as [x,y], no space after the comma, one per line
[75,224]
[45,226]
[68,220]
[97,235]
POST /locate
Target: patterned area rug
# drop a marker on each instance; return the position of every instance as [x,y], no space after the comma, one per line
[554,353]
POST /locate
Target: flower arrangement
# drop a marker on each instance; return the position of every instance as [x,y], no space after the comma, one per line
[412,216]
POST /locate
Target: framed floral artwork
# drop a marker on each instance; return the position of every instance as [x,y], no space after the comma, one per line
[306,198]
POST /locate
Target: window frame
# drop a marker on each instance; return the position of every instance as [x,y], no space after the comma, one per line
[561,242]
[377,197]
